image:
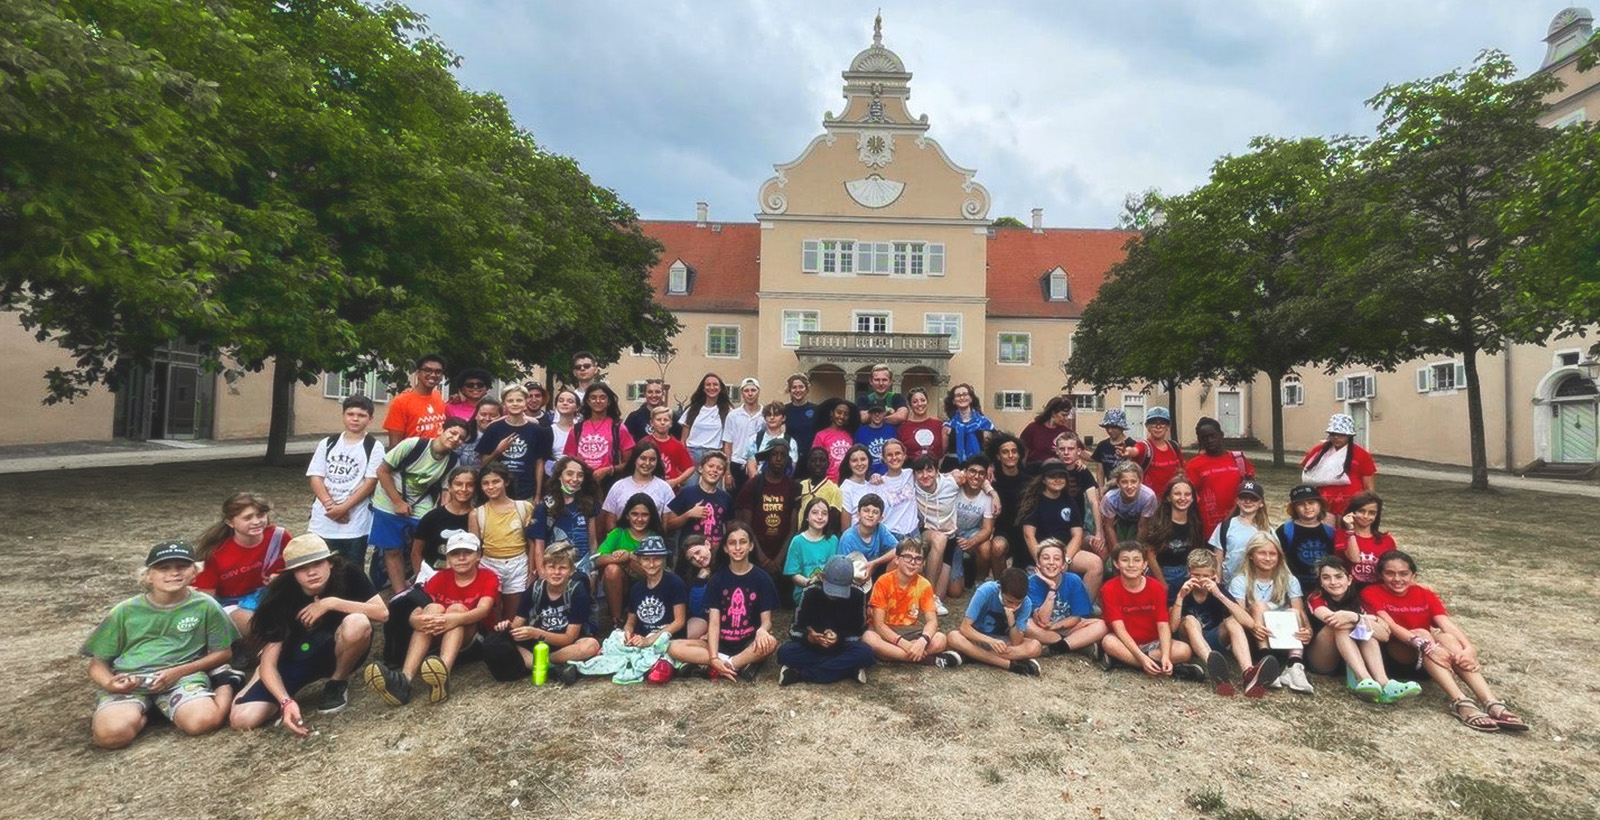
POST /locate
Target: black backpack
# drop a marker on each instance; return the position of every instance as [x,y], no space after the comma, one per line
[410,458]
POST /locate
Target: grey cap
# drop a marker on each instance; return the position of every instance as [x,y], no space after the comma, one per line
[837,576]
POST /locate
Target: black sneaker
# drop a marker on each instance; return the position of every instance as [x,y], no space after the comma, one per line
[391,684]
[568,674]
[749,673]
[1098,653]
[1189,671]
[1059,647]
[335,696]
[948,659]
[695,670]
[228,676]
[788,676]
[1028,668]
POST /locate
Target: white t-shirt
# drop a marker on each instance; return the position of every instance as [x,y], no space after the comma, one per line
[938,507]
[659,491]
[740,430]
[342,470]
[707,430]
[558,445]
[899,502]
[971,512]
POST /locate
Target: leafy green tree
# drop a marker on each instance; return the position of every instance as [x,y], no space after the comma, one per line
[1421,226]
[1008,222]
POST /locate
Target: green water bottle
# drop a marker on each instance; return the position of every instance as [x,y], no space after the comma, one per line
[541,662]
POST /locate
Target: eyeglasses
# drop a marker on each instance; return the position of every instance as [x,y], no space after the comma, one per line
[470,385]
[912,559]
[433,371]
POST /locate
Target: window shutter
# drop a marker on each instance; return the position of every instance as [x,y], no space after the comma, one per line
[1461,376]
[1338,389]
[1099,403]
[999,400]
[1424,379]
[810,253]
[1027,401]
[1372,386]
[936,259]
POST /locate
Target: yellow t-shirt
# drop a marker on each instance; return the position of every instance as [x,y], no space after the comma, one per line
[826,490]
[501,531]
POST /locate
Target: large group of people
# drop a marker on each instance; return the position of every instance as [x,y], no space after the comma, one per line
[570,541]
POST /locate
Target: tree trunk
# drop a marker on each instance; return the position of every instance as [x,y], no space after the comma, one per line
[1277,418]
[1172,407]
[1480,455]
[283,379]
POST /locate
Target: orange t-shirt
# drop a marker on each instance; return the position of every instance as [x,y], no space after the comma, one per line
[413,415]
[902,606]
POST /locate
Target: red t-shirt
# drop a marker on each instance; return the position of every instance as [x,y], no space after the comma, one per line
[675,458]
[1337,496]
[1414,610]
[1039,440]
[234,571]
[592,444]
[926,436]
[444,591]
[1139,611]
[414,415]
[1162,467]
[1216,485]
[1365,571]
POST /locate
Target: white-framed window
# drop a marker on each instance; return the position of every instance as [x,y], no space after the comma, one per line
[722,341]
[1015,348]
[1013,400]
[1089,402]
[1441,377]
[1056,286]
[1293,392]
[935,258]
[1574,117]
[910,259]
[344,385]
[810,256]
[838,255]
[795,321]
[946,323]
[1567,358]
[874,258]
[1357,387]
[636,390]
[678,278]
[872,321]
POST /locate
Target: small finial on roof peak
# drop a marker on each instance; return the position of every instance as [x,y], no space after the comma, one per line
[877,28]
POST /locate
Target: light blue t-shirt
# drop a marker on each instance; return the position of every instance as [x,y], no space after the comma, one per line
[988,613]
[1239,534]
[882,541]
[1071,596]
[1263,592]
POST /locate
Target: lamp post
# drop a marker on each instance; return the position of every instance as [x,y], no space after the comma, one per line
[1590,369]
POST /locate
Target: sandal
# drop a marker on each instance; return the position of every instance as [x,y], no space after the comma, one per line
[1475,719]
[1504,717]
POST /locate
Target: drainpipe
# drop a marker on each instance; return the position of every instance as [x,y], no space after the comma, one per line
[1511,463]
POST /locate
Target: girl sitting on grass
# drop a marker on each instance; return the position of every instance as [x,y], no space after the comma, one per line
[739,603]
[1421,632]
[1364,538]
[811,549]
[1344,631]
[1265,585]
[694,567]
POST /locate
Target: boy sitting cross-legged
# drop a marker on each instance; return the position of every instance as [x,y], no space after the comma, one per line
[993,632]
[1134,606]
[904,626]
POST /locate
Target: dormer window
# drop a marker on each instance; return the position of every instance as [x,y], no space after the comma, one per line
[678,278]
[1056,286]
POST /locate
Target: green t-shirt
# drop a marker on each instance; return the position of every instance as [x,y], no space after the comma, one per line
[619,539]
[421,473]
[140,637]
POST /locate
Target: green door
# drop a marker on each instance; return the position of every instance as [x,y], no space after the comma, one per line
[1575,440]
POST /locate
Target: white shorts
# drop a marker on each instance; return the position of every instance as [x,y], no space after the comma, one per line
[513,573]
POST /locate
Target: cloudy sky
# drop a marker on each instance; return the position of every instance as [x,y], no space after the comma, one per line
[1064,106]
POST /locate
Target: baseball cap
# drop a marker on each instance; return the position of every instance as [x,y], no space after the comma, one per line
[876,404]
[462,541]
[1053,466]
[305,549]
[1304,492]
[1157,414]
[1250,486]
[750,381]
[169,551]
[837,576]
[652,547]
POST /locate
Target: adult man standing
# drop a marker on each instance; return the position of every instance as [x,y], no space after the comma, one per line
[638,422]
[800,419]
[418,412]
[895,403]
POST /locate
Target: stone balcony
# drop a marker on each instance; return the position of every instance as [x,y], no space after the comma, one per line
[925,353]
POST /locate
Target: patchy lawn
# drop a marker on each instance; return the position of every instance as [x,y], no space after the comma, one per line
[1515,567]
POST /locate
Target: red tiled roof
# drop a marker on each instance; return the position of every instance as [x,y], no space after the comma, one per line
[1020,258]
[726,264]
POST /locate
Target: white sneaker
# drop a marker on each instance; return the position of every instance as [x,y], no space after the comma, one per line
[939,607]
[1295,677]
[1279,681]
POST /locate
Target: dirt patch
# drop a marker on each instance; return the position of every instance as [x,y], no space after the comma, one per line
[1077,743]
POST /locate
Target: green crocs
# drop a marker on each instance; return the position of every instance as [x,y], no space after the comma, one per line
[1368,690]
[1396,690]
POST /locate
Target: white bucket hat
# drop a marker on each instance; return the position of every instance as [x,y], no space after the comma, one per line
[1342,424]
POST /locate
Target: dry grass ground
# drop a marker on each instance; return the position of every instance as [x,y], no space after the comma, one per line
[1518,569]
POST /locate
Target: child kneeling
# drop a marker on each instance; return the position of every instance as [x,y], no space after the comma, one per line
[462,599]
[993,631]
[141,654]
[825,642]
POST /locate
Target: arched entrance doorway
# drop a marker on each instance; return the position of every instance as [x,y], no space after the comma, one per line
[1566,413]
[827,382]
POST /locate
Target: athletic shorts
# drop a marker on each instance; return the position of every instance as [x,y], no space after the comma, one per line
[189,687]
[910,632]
[298,666]
[513,572]
[390,531]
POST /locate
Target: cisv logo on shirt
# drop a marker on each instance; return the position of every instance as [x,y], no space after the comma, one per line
[188,623]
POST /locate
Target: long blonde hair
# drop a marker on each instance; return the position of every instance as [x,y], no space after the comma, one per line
[1280,573]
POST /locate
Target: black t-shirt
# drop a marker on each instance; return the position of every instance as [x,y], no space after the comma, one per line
[1303,547]
[652,606]
[430,530]
[1105,454]
[532,443]
[847,617]
[300,642]
[1084,481]
[1210,613]
[1175,553]
[1010,488]
[1055,518]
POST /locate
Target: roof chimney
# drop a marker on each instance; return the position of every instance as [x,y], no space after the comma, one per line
[700,212]
[1038,220]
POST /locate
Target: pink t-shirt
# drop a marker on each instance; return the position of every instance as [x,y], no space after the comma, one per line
[592,443]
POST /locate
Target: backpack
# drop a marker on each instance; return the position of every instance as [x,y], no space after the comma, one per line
[367,444]
[524,516]
[275,546]
[410,458]
[587,619]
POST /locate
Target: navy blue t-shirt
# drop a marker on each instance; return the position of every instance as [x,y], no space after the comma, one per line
[532,443]
[538,611]
[1055,518]
[799,421]
[1303,547]
[652,606]
[1210,613]
[740,599]
[719,511]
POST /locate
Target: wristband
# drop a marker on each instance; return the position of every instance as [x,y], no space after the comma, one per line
[284,703]
[899,640]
